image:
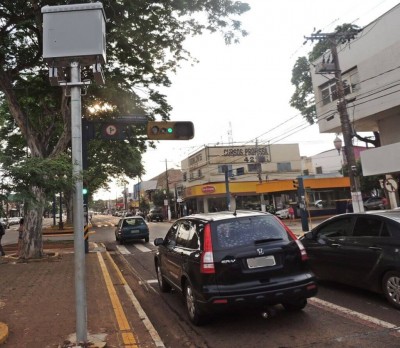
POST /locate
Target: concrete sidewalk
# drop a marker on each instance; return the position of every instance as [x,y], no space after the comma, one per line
[37,303]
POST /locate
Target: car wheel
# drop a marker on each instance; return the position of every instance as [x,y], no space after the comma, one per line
[295,305]
[147,239]
[164,286]
[195,315]
[391,288]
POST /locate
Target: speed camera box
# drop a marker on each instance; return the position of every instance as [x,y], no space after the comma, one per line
[74,33]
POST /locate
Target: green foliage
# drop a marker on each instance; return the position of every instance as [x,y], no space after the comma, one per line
[158,197]
[52,174]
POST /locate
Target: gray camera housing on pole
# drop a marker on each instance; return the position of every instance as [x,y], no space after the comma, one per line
[74,33]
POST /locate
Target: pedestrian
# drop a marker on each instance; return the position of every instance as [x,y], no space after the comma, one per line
[2,233]
[291,213]
[20,233]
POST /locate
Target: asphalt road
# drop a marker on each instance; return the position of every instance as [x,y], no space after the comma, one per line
[339,316]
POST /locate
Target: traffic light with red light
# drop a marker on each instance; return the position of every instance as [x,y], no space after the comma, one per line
[170,130]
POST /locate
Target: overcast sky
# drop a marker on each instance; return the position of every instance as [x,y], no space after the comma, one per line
[241,92]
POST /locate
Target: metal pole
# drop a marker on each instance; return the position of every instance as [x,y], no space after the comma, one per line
[76,134]
[228,194]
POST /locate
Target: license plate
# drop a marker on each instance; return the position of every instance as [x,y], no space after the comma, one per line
[134,231]
[262,261]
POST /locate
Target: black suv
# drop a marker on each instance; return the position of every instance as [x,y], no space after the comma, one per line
[155,214]
[228,259]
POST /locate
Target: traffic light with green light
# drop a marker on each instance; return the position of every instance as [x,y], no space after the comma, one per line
[85,191]
[170,130]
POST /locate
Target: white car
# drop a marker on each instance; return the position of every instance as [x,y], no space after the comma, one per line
[283,213]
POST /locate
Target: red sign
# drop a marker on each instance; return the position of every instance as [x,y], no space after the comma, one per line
[208,189]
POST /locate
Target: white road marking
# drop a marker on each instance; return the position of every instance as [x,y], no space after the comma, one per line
[352,314]
[142,248]
[123,250]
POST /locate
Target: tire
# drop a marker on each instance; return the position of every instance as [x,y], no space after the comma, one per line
[194,313]
[391,288]
[147,239]
[164,286]
[297,305]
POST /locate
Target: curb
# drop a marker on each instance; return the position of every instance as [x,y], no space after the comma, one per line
[3,332]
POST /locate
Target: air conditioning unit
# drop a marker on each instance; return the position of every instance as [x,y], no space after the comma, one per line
[325,68]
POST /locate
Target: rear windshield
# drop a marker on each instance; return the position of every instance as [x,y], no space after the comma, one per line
[247,231]
[133,222]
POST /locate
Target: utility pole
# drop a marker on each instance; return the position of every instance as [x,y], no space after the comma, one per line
[334,39]
[167,182]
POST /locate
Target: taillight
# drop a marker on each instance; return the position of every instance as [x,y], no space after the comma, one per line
[207,258]
[303,251]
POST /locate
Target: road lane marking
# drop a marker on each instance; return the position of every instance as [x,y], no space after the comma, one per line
[123,250]
[352,314]
[142,248]
[142,314]
[126,331]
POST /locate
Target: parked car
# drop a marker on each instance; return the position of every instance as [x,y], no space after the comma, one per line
[14,220]
[228,259]
[155,214]
[131,228]
[373,203]
[4,222]
[282,213]
[360,250]
[318,204]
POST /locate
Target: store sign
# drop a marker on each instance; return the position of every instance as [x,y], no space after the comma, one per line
[208,189]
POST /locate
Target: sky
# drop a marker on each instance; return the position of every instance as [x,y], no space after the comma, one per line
[239,93]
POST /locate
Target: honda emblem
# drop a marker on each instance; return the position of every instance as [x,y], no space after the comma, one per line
[260,251]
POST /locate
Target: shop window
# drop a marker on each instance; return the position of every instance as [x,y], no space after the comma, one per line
[284,166]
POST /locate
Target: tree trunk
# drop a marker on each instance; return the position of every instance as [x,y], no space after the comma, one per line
[32,242]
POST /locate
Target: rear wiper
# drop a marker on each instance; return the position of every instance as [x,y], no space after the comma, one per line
[266,240]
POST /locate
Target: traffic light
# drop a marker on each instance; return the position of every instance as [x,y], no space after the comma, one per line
[296,184]
[170,130]
[85,191]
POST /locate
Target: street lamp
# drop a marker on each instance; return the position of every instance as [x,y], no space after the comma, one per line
[338,144]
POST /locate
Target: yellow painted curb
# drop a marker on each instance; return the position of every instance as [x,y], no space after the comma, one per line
[3,332]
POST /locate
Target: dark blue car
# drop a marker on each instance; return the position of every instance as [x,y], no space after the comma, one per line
[131,228]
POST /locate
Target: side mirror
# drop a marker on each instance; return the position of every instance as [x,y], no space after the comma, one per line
[308,235]
[158,241]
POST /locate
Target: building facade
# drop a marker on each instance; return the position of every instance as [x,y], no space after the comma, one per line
[253,177]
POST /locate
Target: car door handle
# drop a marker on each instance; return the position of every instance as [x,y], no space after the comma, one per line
[336,245]
[375,248]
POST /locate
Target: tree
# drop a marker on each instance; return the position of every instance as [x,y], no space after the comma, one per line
[145,43]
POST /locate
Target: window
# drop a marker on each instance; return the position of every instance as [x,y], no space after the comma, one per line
[184,176]
[193,239]
[338,228]
[318,170]
[222,168]
[183,234]
[253,167]
[367,227]
[199,175]
[170,238]
[351,83]
[284,166]
[240,171]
